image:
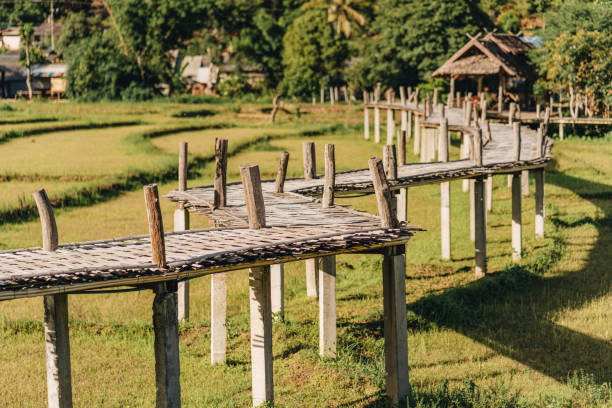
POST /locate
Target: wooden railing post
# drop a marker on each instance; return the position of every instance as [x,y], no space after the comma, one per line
[281,174]
[277,271]
[377,122]
[259,290]
[310,160]
[181,223]
[511,113]
[394,296]
[417,134]
[330,176]
[366,117]
[402,196]
[165,313]
[390,121]
[57,338]
[220,194]
[312,270]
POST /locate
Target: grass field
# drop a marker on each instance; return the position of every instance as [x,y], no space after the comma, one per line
[538,333]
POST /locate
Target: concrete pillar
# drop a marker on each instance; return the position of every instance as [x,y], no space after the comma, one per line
[181,223]
[471,183]
[480,229]
[445,225]
[277,283]
[395,328]
[167,367]
[377,124]
[525,182]
[402,205]
[312,277]
[366,123]
[57,345]
[539,203]
[517,222]
[261,336]
[327,306]
[218,318]
[489,192]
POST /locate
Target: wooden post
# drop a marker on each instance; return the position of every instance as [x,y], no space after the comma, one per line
[481,231]
[500,93]
[281,174]
[538,110]
[417,134]
[401,148]
[57,338]
[465,155]
[165,313]
[445,226]
[310,160]
[336,94]
[539,203]
[376,123]
[390,162]
[451,93]
[561,131]
[403,120]
[409,126]
[402,92]
[511,113]
[478,148]
[516,153]
[312,277]
[260,296]
[322,95]
[220,194]
[525,182]
[383,193]
[181,223]
[517,224]
[402,197]
[424,137]
[330,176]
[390,122]
[331,95]
[435,97]
[472,193]
[218,318]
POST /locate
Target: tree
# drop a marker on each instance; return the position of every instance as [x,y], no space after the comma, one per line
[575,55]
[343,14]
[411,38]
[26,31]
[313,55]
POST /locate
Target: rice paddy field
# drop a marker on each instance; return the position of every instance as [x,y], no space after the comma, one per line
[533,334]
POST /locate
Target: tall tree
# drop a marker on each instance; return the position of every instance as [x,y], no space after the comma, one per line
[26,31]
[343,14]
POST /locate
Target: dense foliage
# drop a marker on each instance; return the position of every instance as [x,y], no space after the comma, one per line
[576,57]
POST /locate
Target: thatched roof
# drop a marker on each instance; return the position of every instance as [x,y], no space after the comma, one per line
[491,55]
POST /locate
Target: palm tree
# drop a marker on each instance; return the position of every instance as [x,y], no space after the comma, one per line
[342,13]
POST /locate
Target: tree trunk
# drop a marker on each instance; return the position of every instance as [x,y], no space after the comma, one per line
[28,71]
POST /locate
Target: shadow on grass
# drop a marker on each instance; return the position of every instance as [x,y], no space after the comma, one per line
[511,311]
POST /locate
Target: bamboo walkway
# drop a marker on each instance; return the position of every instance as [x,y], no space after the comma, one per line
[262,225]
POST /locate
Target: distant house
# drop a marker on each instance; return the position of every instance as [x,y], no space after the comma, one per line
[495,61]
[203,76]
[49,79]
[11,40]
[11,80]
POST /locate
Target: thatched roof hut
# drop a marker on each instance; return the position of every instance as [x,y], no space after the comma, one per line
[503,56]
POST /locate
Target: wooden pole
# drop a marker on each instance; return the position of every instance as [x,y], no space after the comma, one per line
[402,92]
[260,296]
[435,97]
[330,176]
[538,110]
[331,95]
[481,231]
[517,224]
[402,197]
[366,123]
[451,93]
[181,223]
[57,338]
[525,182]
[220,194]
[165,312]
[511,113]
[218,318]
[309,157]
[516,152]
[500,94]
[281,174]
[417,134]
[478,148]
[472,193]
[489,192]
[383,193]
[409,126]
[156,225]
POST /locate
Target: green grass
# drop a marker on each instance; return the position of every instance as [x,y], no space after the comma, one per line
[536,334]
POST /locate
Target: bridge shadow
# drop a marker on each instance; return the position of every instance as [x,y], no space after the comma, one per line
[511,312]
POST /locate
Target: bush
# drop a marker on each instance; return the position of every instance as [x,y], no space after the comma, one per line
[234,86]
[510,21]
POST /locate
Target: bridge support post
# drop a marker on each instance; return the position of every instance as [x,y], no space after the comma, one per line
[539,203]
[480,228]
[327,306]
[525,182]
[489,193]
[277,283]
[377,124]
[366,123]
[312,277]
[417,134]
[167,365]
[517,222]
[181,223]
[472,210]
[218,318]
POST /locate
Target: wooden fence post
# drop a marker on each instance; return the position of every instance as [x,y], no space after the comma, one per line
[445,224]
[259,293]
[220,194]
[376,123]
[390,121]
[165,313]
[366,118]
[312,273]
[394,296]
[181,223]
[511,113]
[57,338]
[417,134]
[402,196]
[277,271]
[281,174]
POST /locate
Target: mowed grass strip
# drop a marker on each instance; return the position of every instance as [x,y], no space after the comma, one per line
[518,331]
